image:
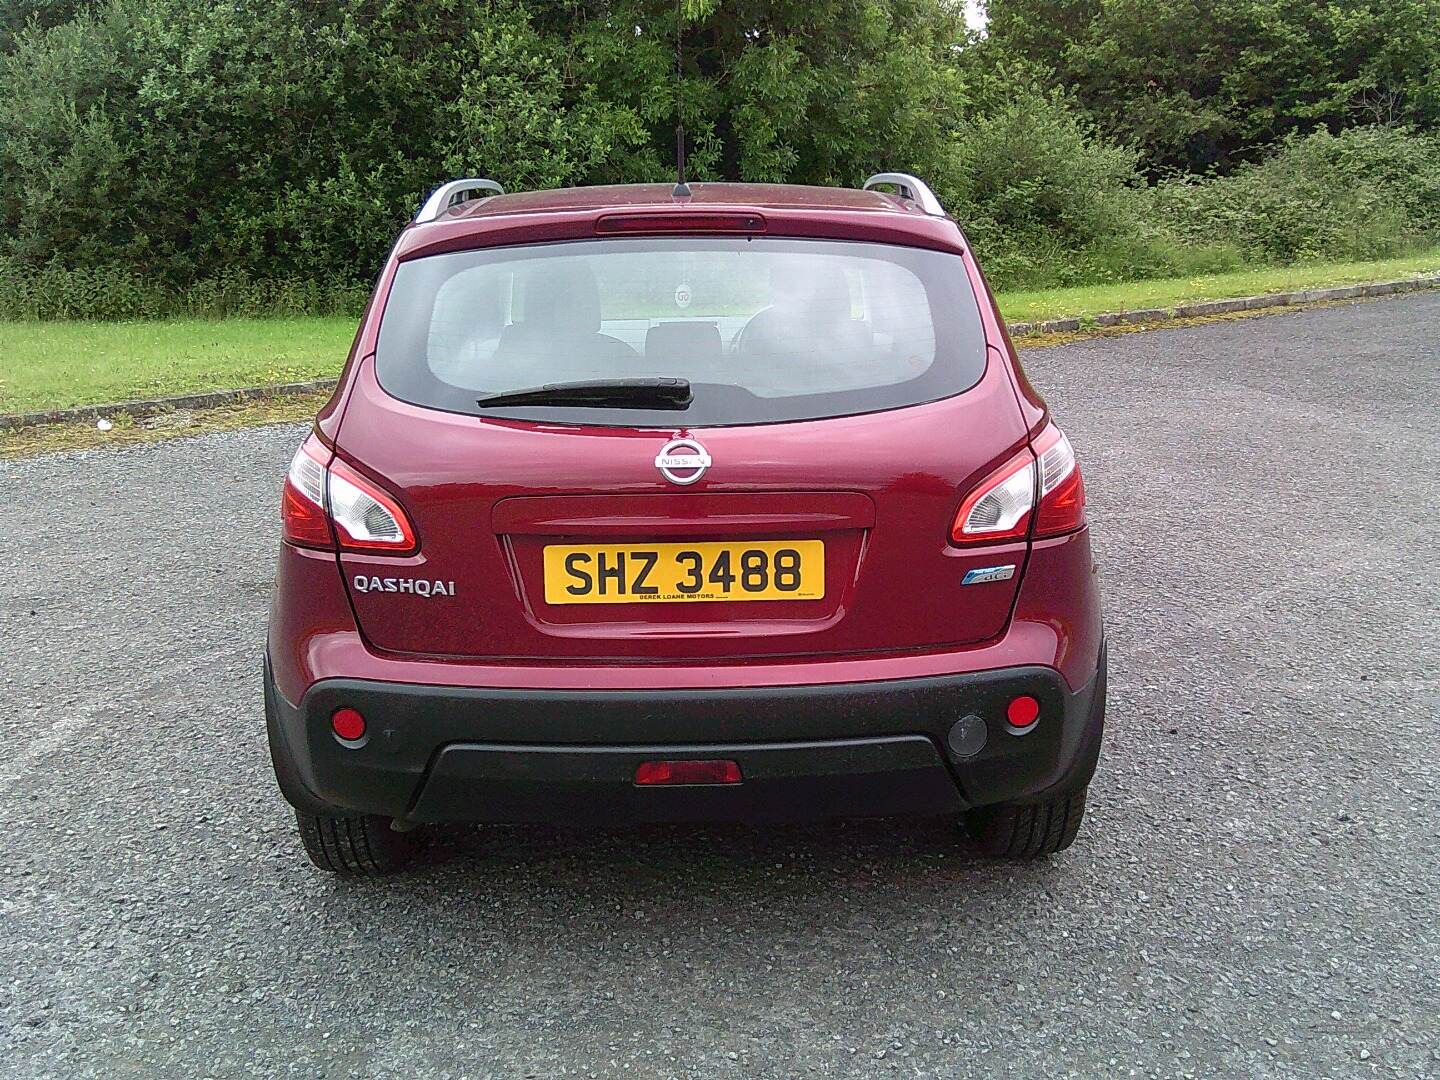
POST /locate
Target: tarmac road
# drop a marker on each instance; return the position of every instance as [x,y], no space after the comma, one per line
[1256,891]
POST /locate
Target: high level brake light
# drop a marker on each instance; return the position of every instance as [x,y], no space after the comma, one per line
[329,506]
[683,221]
[1044,483]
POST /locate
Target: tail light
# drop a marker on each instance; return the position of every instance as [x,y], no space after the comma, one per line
[302,506]
[999,507]
[1046,482]
[1062,488]
[328,505]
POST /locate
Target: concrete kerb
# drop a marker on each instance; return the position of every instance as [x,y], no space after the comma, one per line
[1147,316]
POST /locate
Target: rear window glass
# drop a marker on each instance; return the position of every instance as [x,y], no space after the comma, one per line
[764,329]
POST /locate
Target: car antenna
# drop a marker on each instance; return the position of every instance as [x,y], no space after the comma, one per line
[682,189]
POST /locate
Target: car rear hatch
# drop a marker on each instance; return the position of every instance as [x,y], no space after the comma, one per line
[751,523]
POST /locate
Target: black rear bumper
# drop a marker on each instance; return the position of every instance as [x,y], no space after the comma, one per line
[569,757]
[782,782]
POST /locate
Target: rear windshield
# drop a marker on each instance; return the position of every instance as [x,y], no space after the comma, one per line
[764,329]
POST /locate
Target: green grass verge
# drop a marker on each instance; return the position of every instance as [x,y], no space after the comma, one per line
[58,364]
[1168,292]
[54,365]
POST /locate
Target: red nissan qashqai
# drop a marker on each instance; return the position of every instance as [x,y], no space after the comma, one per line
[637,504]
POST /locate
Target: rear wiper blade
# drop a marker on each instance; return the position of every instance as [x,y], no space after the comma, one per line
[600,393]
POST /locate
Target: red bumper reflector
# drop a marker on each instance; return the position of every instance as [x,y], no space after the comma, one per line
[1022,711]
[717,771]
[348,724]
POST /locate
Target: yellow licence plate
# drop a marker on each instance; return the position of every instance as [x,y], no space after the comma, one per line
[674,573]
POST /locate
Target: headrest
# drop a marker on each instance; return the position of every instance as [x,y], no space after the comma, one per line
[811,287]
[682,343]
[561,296]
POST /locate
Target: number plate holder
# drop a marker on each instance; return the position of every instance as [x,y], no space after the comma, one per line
[684,573]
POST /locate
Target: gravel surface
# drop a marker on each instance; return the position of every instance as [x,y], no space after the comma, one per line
[1254,893]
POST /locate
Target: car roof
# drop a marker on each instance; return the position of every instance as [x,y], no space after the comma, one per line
[622,196]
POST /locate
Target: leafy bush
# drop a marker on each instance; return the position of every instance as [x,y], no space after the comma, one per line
[1365,193]
[1046,204]
[1033,189]
[56,292]
[281,139]
[1198,83]
[59,292]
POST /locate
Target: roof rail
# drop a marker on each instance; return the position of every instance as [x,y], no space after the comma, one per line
[456,191]
[912,188]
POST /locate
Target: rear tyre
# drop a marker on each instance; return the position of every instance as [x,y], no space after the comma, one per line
[355,845]
[1027,830]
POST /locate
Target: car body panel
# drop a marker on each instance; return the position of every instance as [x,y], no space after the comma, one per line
[453,473]
[1056,623]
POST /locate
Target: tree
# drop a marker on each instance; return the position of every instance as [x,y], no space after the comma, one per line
[15,15]
[1201,83]
[273,138]
[814,91]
